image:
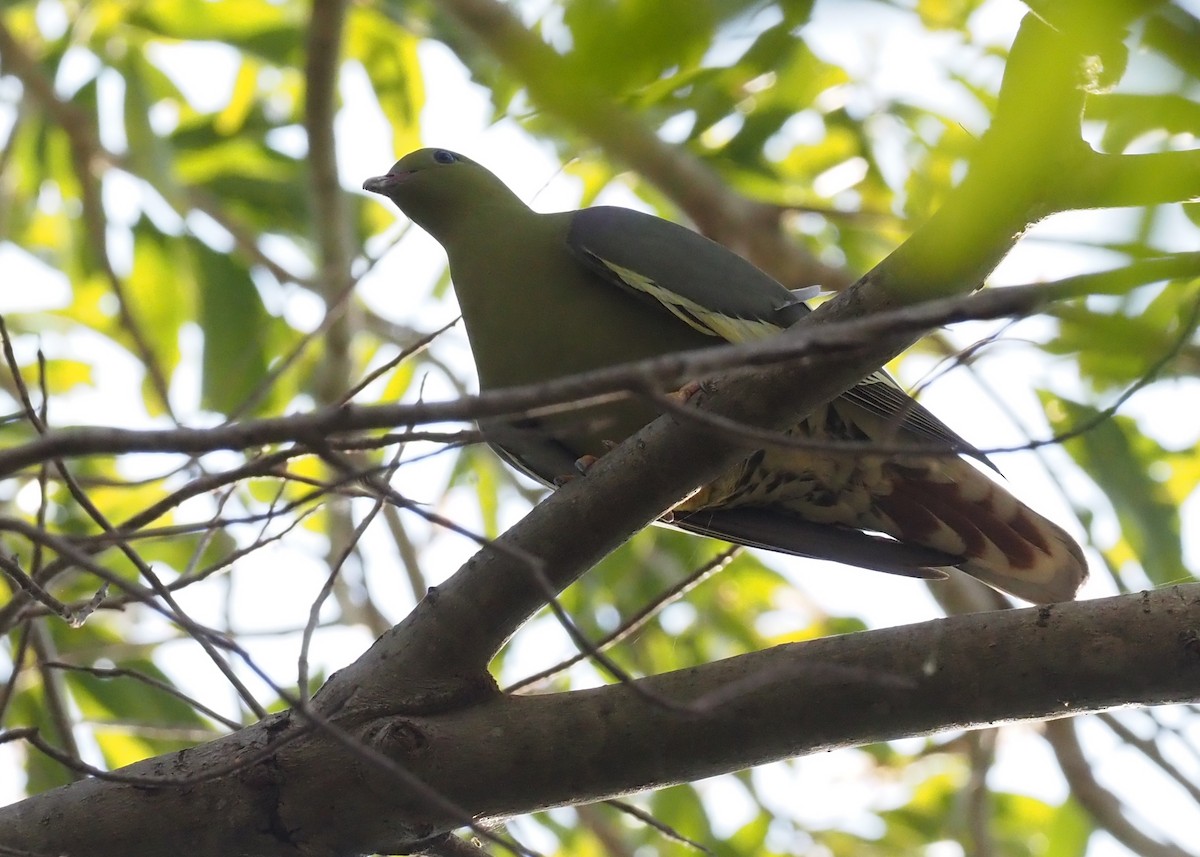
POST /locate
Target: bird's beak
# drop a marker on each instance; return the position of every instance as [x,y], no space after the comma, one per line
[382,184]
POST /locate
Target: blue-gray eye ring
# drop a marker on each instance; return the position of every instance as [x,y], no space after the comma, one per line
[444,157]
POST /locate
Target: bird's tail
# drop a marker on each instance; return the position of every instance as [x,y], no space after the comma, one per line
[949,505]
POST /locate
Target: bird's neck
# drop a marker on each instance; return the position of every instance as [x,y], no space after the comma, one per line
[485,217]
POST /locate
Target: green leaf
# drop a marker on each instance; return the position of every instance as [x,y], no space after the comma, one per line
[238,333]
[159,297]
[1068,831]
[29,708]
[389,56]
[1121,461]
[624,45]
[273,31]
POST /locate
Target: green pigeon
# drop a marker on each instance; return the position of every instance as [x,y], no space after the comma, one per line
[550,295]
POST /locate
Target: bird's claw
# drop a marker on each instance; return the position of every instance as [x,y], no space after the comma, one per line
[582,464]
[687,392]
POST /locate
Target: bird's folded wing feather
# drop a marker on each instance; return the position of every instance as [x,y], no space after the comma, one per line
[882,396]
[718,293]
[697,280]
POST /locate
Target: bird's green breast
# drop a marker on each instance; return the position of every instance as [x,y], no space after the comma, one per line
[533,312]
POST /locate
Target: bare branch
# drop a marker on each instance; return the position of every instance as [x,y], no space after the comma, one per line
[1103,806]
[501,755]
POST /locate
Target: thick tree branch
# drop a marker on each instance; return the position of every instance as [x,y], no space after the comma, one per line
[1033,141]
[515,754]
[1109,181]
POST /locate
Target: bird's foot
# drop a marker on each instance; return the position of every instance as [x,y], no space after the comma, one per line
[585,463]
[687,392]
[582,464]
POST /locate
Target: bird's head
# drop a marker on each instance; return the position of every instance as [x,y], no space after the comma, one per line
[439,190]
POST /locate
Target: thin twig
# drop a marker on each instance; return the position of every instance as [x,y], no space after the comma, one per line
[640,618]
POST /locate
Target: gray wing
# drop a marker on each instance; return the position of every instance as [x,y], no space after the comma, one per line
[700,282]
[882,396]
[717,292]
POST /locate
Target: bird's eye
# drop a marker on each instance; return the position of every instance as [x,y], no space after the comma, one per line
[444,157]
